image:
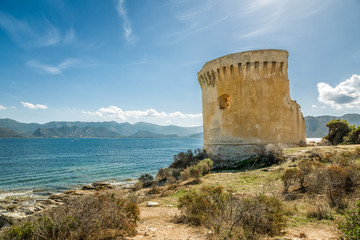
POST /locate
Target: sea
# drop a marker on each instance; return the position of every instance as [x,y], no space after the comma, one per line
[42,166]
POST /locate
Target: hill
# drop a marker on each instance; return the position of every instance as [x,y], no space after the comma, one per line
[147,134]
[7,133]
[75,132]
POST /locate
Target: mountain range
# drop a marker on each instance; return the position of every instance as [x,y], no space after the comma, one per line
[12,128]
[315,128]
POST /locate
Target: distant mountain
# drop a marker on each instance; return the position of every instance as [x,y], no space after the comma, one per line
[7,133]
[75,132]
[22,128]
[95,129]
[197,135]
[147,134]
[316,126]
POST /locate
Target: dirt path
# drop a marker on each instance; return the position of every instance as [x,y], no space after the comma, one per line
[156,223]
[313,232]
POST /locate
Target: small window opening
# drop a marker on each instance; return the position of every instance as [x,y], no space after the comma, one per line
[273,66]
[248,66]
[239,68]
[224,101]
[281,66]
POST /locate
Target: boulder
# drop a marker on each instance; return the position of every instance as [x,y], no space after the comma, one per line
[152,204]
[88,187]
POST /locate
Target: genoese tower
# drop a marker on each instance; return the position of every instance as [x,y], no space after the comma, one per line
[246,105]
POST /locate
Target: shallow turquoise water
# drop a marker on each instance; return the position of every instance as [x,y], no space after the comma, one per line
[58,164]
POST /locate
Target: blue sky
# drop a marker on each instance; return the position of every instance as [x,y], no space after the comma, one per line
[137,60]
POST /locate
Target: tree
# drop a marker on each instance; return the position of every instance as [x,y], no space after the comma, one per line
[338,129]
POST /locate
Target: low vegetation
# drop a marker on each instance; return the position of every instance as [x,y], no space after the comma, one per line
[88,217]
[334,174]
[186,159]
[231,216]
[198,170]
[351,226]
[146,180]
[186,165]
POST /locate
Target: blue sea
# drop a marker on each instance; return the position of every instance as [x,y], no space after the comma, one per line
[51,165]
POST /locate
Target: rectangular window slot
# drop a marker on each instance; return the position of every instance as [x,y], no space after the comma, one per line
[232,71]
[265,65]
[273,66]
[248,66]
[256,66]
[218,73]
[239,68]
[224,72]
[281,66]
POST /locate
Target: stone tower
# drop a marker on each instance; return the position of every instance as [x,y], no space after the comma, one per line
[246,104]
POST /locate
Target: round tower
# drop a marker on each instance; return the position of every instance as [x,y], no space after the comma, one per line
[246,104]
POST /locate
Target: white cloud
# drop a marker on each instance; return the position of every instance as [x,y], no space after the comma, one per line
[314,106]
[128,32]
[30,34]
[344,95]
[182,115]
[114,112]
[33,106]
[2,107]
[53,69]
[268,15]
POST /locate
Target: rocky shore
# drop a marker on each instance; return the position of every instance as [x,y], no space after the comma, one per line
[14,208]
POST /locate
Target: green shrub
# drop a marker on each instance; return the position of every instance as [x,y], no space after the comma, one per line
[351,227]
[206,165]
[335,182]
[232,217]
[305,168]
[187,159]
[22,232]
[353,137]
[146,179]
[289,178]
[198,170]
[87,217]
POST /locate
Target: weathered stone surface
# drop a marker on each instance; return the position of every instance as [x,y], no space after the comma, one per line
[246,105]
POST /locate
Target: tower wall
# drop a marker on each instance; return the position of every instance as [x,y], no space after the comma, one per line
[246,104]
